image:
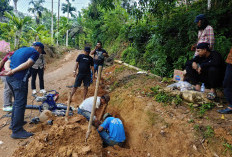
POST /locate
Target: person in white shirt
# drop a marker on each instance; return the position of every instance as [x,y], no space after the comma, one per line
[85,108]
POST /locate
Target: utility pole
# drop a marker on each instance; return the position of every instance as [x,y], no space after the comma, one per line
[67,22]
[52,24]
[58,23]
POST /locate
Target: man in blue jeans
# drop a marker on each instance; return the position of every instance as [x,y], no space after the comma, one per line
[112,131]
[17,70]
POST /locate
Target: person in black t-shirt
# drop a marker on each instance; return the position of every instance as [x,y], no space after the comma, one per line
[84,63]
[208,68]
[99,55]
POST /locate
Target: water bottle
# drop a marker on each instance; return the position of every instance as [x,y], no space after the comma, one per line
[203,88]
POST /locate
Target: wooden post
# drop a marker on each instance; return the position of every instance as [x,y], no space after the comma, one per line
[94,103]
[68,106]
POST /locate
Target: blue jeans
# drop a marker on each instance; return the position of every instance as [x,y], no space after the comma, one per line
[227,84]
[84,113]
[20,90]
[106,138]
[96,67]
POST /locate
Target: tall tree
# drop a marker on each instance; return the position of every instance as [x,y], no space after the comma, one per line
[17,24]
[37,9]
[67,8]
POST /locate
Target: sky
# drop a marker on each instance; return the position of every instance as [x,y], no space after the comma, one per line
[23,5]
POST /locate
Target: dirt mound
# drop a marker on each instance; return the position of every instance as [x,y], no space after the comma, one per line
[63,139]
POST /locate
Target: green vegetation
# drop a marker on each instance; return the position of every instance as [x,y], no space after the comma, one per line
[152,34]
[227,147]
[205,107]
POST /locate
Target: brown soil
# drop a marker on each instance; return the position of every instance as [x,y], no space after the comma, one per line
[152,129]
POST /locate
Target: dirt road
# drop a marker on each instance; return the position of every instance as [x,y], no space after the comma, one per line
[57,76]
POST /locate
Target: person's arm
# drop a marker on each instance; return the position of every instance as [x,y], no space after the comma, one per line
[210,35]
[100,128]
[75,68]
[215,61]
[7,65]
[1,64]
[93,51]
[21,67]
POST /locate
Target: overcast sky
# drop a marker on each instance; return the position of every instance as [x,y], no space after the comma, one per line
[23,5]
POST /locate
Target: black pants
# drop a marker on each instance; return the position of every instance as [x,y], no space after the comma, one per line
[227,84]
[212,77]
[34,73]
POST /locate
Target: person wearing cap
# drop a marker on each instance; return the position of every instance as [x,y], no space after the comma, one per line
[99,55]
[227,85]
[205,32]
[207,68]
[112,131]
[17,70]
[84,63]
[86,106]
[38,68]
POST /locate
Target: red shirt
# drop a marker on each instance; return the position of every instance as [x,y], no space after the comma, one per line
[7,56]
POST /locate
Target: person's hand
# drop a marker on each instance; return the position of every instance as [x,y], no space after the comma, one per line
[74,73]
[194,65]
[6,73]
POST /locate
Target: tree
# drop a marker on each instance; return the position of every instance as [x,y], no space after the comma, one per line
[18,24]
[67,8]
[4,6]
[37,9]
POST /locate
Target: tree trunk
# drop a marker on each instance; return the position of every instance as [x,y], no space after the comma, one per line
[209,4]
[52,25]
[67,22]
[58,22]
[15,5]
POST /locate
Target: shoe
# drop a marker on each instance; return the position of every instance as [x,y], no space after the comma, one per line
[24,122]
[21,135]
[7,109]
[34,91]
[43,91]
[225,111]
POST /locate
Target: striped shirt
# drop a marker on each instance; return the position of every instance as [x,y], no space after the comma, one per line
[206,36]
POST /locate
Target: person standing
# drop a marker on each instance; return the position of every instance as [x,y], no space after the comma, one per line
[7,95]
[17,70]
[38,68]
[227,84]
[84,63]
[99,55]
[205,32]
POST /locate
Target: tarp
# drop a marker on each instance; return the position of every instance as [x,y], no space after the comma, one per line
[4,46]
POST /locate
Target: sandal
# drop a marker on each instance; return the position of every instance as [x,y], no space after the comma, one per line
[211,96]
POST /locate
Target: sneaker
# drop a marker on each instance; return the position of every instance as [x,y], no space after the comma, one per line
[7,109]
[225,111]
[43,91]
[21,135]
[34,91]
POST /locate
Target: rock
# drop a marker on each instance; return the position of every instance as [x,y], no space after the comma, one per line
[215,155]
[194,147]
[148,154]
[1,142]
[25,143]
[85,149]
[69,152]
[45,115]
[74,155]
[162,132]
